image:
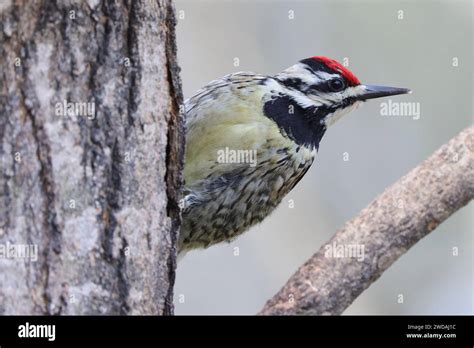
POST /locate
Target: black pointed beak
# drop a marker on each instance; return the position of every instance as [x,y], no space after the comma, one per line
[372,92]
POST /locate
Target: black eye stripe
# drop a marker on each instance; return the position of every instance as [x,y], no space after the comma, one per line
[336,84]
[317,65]
[328,86]
[294,83]
[321,87]
[309,69]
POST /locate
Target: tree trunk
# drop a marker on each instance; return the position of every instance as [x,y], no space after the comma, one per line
[91,145]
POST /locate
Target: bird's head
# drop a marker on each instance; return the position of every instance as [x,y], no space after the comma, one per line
[321,90]
[324,82]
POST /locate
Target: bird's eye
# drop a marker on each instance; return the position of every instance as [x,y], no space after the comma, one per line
[336,85]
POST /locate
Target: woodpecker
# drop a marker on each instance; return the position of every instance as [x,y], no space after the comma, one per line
[280,119]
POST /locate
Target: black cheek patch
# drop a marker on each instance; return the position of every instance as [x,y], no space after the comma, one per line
[302,125]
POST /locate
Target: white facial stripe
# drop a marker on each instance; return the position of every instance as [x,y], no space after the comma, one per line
[324,76]
[336,97]
[300,98]
[303,100]
[355,91]
[339,96]
[330,119]
[301,72]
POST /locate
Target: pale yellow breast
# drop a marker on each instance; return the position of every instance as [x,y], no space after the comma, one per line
[236,122]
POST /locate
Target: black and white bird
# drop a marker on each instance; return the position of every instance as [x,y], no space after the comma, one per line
[250,138]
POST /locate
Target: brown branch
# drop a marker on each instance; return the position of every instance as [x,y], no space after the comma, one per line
[401,216]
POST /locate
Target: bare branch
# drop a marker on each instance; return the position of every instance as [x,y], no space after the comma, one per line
[401,216]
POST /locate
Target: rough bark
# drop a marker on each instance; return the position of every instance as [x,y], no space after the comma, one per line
[96,194]
[401,216]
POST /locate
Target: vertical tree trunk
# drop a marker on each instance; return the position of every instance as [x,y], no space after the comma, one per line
[91,144]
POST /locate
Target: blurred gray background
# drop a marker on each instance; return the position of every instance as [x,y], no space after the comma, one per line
[415,51]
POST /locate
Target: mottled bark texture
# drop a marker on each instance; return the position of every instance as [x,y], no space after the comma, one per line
[96,192]
[401,216]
